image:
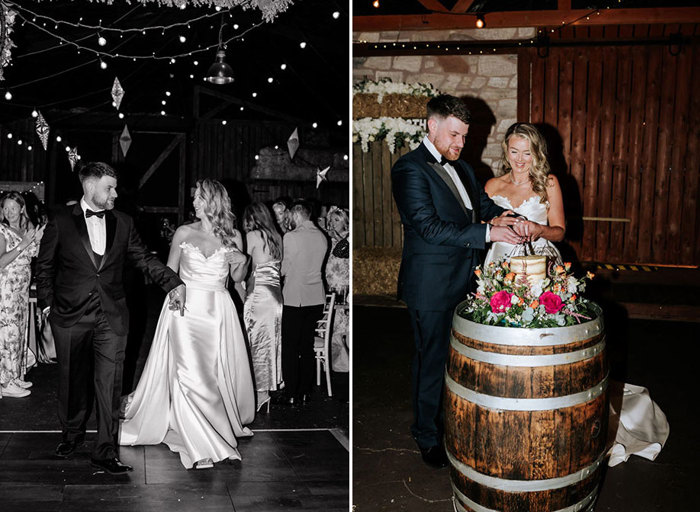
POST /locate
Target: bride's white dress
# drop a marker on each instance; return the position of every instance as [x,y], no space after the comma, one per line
[196,390]
[638,425]
[534,211]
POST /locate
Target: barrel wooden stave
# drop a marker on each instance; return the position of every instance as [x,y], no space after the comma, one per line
[531,446]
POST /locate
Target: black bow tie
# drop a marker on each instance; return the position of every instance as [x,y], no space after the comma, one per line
[89,213]
[444,161]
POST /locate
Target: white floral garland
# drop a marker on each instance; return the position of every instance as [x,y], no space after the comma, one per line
[7,19]
[387,86]
[395,131]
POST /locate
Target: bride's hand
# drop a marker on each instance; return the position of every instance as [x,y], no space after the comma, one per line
[235,257]
[528,229]
[507,218]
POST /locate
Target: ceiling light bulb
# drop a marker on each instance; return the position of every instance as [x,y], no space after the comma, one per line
[121,115]
[8,95]
[183,39]
[103,64]
[283,67]
[302,44]
[235,26]
[480,22]
[257,157]
[167,93]
[67,149]
[223,122]
[375,4]
[340,123]
[101,41]
[58,138]
[345,157]
[162,112]
[9,135]
[336,15]
[35,113]
[29,148]
[196,63]
[315,125]
[270,80]
[255,95]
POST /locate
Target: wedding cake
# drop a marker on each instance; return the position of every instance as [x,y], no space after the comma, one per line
[532,267]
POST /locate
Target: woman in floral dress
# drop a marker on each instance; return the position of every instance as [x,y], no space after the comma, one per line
[19,243]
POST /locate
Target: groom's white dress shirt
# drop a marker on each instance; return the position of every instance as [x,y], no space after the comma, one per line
[97,229]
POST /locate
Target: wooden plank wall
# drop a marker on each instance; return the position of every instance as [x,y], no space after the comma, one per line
[375,219]
[628,130]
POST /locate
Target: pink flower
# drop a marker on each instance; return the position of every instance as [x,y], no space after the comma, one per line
[500,301]
[552,302]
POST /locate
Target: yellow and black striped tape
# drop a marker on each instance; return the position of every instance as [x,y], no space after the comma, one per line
[618,266]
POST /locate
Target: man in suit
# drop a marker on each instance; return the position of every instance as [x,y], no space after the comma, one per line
[79,277]
[305,248]
[441,206]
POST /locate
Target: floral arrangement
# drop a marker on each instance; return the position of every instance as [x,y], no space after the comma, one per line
[7,20]
[506,299]
[387,86]
[393,130]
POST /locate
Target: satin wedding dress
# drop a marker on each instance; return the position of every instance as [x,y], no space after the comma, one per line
[196,390]
[638,425]
[534,211]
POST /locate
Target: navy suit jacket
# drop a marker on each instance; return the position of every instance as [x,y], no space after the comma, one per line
[443,240]
[67,273]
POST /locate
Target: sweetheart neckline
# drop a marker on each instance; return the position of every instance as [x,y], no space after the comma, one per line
[199,250]
[511,204]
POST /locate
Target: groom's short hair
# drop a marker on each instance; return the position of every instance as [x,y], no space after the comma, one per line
[302,207]
[445,105]
[96,170]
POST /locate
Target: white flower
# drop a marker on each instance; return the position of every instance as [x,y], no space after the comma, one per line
[514,299]
[536,289]
[572,284]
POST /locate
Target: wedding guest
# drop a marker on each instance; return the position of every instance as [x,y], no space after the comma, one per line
[304,249]
[19,243]
[80,279]
[528,189]
[196,391]
[263,306]
[338,264]
[282,215]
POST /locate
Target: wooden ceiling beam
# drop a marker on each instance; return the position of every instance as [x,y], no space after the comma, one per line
[462,6]
[433,5]
[552,18]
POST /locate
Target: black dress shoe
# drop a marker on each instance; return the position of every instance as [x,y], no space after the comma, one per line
[112,466]
[434,456]
[66,448]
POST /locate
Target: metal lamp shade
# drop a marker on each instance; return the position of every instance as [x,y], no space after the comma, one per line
[220,72]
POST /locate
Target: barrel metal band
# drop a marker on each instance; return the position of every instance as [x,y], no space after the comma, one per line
[525,404]
[503,484]
[540,337]
[521,360]
[588,501]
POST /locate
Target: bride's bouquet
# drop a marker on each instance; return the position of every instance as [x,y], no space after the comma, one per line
[509,298]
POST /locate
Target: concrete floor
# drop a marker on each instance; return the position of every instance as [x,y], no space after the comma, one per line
[389,475]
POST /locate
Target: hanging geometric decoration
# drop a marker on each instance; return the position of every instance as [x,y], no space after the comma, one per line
[42,129]
[117,93]
[293,143]
[73,157]
[125,140]
[321,176]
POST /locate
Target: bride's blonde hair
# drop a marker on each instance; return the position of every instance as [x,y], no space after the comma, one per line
[217,208]
[539,169]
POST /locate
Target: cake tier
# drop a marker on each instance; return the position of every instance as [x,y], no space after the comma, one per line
[534,267]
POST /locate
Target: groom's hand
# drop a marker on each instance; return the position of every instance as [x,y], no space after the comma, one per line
[505,234]
[177,299]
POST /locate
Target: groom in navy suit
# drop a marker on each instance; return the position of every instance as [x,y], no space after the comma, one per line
[442,207]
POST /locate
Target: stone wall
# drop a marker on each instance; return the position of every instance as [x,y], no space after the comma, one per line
[489,83]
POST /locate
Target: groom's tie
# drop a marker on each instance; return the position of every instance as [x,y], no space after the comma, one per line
[443,160]
[89,213]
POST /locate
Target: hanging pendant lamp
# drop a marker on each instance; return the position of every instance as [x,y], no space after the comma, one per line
[220,73]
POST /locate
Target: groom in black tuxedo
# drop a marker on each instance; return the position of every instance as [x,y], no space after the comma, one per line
[441,206]
[79,277]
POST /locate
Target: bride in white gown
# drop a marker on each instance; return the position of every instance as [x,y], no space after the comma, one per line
[638,426]
[530,191]
[196,391]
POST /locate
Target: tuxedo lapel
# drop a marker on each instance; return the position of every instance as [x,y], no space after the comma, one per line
[471,192]
[81,226]
[111,222]
[440,171]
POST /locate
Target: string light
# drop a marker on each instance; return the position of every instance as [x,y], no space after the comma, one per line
[480,22]
[336,15]
[8,95]
[283,67]
[101,41]
[375,4]
[302,45]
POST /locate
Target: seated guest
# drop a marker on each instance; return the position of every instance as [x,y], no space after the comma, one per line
[19,243]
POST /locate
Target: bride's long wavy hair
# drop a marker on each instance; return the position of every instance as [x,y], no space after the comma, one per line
[539,169]
[257,217]
[217,208]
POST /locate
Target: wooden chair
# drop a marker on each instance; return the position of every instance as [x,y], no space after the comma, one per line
[322,341]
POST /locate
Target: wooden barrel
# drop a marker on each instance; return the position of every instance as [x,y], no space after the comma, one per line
[526,416]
